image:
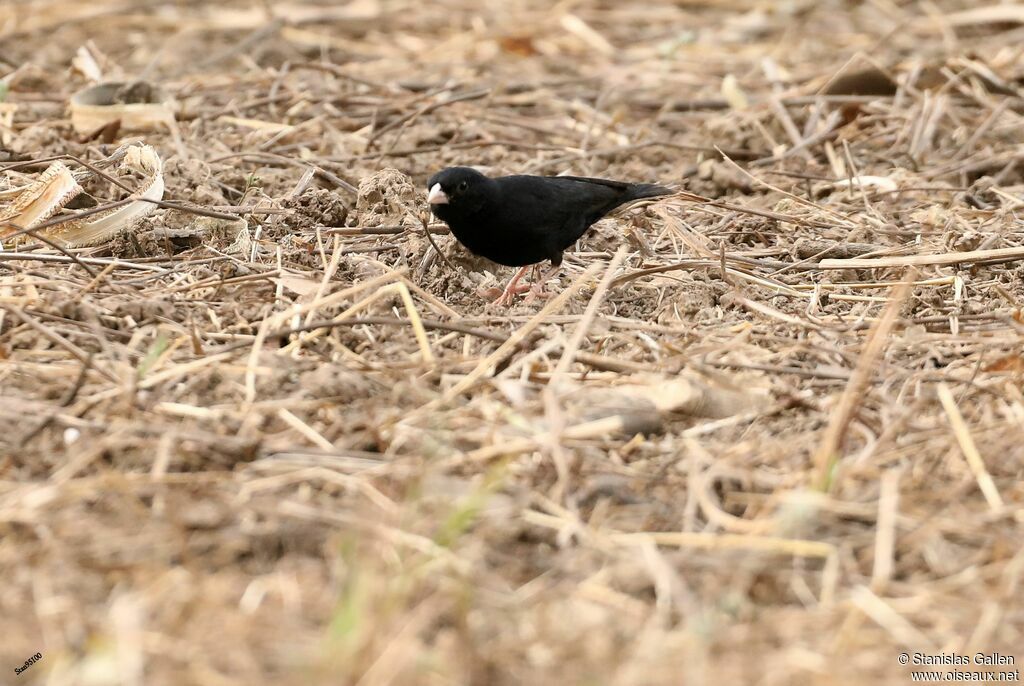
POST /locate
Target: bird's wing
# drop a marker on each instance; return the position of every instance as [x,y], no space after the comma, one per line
[620,186]
[622,191]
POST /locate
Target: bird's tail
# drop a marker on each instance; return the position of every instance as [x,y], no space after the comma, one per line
[636,191]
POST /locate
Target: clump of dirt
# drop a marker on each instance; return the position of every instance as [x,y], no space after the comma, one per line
[722,178]
[317,207]
[43,136]
[388,198]
[692,298]
[133,245]
[192,178]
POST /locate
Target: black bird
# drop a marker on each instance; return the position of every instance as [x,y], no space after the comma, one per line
[519,221]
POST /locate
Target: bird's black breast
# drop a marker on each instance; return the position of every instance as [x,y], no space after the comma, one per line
[498,237]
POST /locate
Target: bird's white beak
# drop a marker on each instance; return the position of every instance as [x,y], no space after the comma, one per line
[436,196]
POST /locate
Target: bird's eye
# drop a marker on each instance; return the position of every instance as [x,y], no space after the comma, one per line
[463,186]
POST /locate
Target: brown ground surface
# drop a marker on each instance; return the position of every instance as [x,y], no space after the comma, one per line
[190,494]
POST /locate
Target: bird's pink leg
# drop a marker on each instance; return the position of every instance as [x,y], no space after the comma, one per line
[513,289]
[537,291]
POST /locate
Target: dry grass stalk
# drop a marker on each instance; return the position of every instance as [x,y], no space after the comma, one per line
[826,458]
[971,454]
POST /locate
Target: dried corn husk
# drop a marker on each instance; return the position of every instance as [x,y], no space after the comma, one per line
[40,200]
[97,106]
[33,204]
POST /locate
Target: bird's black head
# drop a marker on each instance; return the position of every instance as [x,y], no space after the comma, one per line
[457,192]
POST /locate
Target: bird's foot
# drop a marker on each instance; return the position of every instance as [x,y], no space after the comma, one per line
[507,295]
[511,290]
[537,293]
